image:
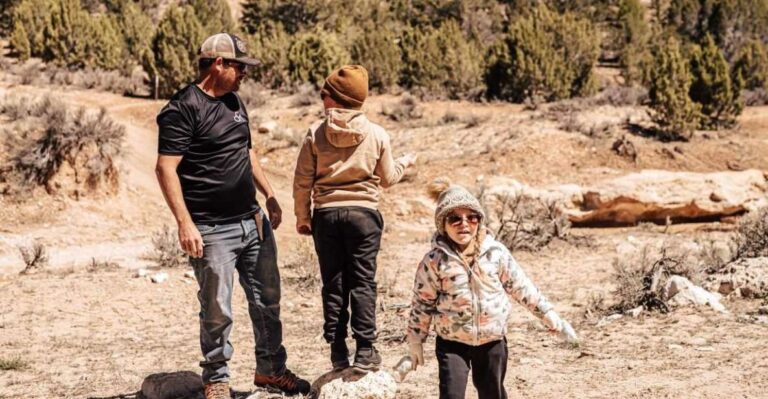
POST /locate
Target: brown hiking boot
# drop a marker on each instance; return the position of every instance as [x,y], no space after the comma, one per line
[217,390]
[287,383]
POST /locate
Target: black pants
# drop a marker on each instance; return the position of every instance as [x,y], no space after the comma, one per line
[347,241]
[488,363]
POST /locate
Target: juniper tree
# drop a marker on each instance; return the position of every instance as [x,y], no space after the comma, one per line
[546,55]
[719,97]
[752,66]
[378,51]
[634,40]
[669,84]
[313,55]
[174,49]
[441,60]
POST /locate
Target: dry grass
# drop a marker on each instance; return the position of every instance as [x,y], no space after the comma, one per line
[48,136]
[406,109]
[33,72]
[751,240]
[100,265]
[303,266]
[529,224]
[640,278]
[166,252]
[13,364]
[35,257]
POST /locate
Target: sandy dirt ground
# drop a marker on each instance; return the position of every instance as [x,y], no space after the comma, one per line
[99,334]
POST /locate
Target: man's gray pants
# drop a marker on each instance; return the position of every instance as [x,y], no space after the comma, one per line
[230,247]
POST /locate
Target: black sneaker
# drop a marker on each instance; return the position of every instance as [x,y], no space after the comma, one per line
[367,359]
[339,356]
[287,383]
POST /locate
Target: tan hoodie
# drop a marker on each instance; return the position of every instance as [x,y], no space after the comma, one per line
[344,161]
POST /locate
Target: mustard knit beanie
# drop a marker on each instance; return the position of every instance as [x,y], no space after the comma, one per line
[347,85]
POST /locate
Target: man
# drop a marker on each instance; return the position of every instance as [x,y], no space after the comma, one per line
[209,175]
[342,166]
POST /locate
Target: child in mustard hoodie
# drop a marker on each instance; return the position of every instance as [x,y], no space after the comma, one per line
[465,285]
[343,164]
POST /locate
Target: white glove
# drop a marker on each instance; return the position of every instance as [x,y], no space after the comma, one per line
[407,160]
[417,354]
[568,334]
[556,324]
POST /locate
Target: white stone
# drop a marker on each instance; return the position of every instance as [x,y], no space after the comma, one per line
[378,385]
[635,312]
[158,278]
[267,127]
[609,319]
[141,273]
[680,291]
[531,360]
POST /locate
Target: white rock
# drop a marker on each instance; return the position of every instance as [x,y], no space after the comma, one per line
[680,291]
[635,312]
[141,273]
[158,278]
[609,319]
[531,360]
[267,127]
[378,385]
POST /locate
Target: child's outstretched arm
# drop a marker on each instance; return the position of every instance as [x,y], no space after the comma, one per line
[425,291]
[520,288]
[391,170]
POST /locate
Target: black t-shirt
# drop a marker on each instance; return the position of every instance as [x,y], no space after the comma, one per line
[213,136]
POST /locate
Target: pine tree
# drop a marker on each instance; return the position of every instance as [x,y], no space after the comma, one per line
[441,60]
[634,40]
[214,15]
[105,46]
[752,66]
[67,33]
[20,42]
[175,47]
[294,15]
[137,30]
[33,16]
[378,51]
[712,87]
[546,55]
[669,84]
[313,55]
[270,46]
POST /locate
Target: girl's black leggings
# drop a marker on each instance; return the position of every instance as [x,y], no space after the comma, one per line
[488,363]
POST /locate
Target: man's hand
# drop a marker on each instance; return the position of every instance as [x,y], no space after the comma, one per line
[407,160]
[416,350]
[303,229]
[275,213]
[190,239]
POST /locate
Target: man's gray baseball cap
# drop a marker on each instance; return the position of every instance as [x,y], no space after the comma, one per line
[228,47]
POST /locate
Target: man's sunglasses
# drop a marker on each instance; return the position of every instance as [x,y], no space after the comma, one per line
[242,68]
[456,220]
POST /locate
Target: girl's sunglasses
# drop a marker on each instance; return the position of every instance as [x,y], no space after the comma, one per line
[456,220]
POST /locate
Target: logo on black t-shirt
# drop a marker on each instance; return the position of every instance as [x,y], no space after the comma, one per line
[238,118]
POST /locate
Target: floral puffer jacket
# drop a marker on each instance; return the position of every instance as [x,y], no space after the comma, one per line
[470,305]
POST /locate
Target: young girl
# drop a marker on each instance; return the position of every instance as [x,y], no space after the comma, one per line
[465,284]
